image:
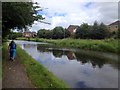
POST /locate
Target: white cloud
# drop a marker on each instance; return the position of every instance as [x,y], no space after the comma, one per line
[66,12]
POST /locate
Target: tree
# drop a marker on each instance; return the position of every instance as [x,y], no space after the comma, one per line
[14,35]
[103,31]
[92,32]
[49,34]
[18,15]
[83,31]
[58,32]
[95,30]
[99,31]
[118,32]
[67,33]
[43,33]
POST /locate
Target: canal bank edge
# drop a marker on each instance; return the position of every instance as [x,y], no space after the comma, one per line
[38,74]
[106,45]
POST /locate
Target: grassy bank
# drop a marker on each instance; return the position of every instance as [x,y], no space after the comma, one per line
[107,45]
[38,74]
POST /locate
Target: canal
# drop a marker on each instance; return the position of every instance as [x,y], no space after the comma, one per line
[77,68]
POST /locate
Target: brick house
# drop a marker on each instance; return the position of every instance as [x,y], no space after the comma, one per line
[114,26]
[29,34]
[72,28]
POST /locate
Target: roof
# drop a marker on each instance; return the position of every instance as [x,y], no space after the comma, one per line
[29,32]
[115,23]
[72,27]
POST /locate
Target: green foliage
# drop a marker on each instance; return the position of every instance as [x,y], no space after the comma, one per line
[60,33]
[14,35]
[107,45]
[83,31]
[67,33]
[113,34]
[43,33]
[18,15]
[56,33]
[118,32]
[100,31]
[96,31]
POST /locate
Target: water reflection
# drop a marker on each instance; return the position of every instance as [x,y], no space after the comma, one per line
[79,69]
[95,61]
[59,53]
[70,55]
[81,84]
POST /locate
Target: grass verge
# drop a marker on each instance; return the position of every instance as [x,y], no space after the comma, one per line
[107,45]
[39,75]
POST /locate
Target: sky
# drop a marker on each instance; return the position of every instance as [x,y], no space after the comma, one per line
[75,12]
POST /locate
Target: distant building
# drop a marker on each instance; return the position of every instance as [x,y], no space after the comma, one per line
[29,34]
[72,28]
[114,26]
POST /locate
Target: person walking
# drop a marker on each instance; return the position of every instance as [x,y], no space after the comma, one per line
[12,50]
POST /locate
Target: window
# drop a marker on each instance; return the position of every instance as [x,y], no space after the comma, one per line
[116,26]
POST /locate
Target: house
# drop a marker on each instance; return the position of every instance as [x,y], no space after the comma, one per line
[72,28]
[114,26]
[28,34]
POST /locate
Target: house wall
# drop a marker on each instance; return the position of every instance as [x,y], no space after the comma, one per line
[74,30]
[113,28]
[29,34]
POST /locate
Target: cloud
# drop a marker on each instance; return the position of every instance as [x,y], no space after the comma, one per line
[109,11]
[67,12]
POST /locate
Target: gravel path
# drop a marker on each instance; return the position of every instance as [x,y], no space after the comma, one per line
[14,75]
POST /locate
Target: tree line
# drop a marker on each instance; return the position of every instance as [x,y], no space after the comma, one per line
[57,33]
[97,31]
[84,31]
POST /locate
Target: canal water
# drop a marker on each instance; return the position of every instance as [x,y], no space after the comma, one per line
[77,68]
